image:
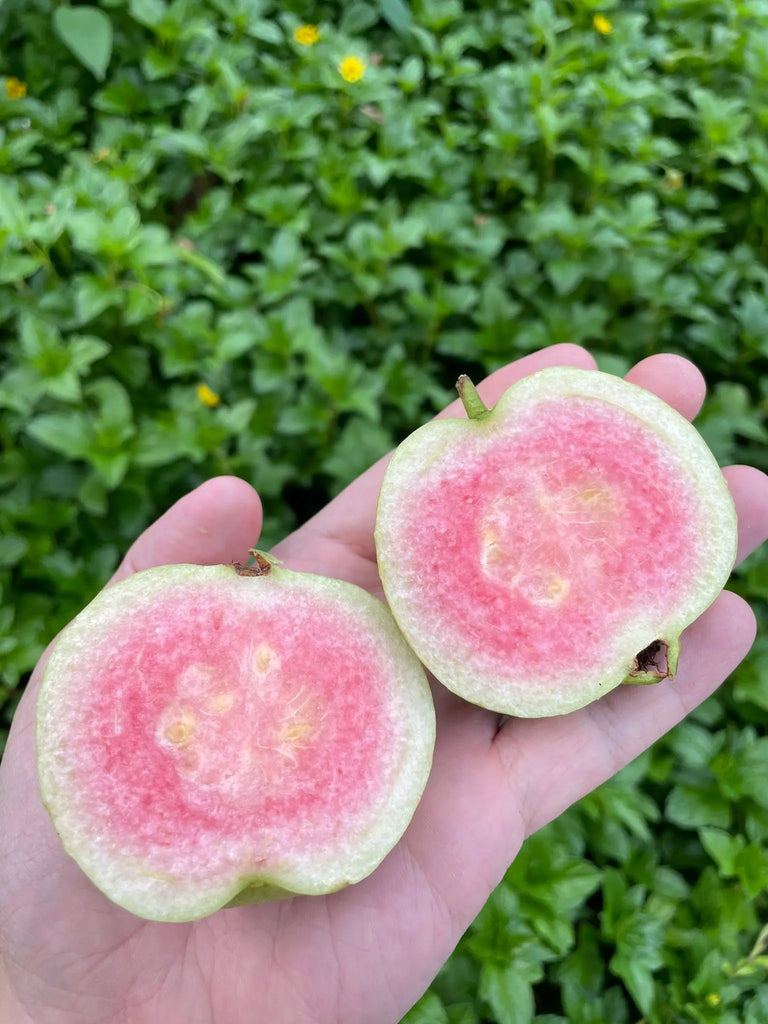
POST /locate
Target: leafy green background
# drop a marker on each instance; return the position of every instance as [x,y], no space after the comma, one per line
[194,206]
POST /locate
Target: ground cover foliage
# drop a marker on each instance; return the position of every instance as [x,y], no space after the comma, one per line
[230,244]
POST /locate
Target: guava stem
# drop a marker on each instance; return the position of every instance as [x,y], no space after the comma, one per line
[474,406]
[260,566]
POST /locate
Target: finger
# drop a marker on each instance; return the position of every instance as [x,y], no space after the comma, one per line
[749,488]
[682,386]
[348,520]
[674,379]
[216,523]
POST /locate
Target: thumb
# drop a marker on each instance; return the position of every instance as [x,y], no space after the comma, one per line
[216,523]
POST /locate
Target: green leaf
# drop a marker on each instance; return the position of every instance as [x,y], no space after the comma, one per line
[12,550]
[166,440]
[235,418]
[85,349]
[284,250]
[397,15]
[756,1010]
[92,495]
[65,386]
[93,295]
[751,865]
[582,974]
[428,1010]
[745,771]
[69,433]
[691,807]
[722,848]
[148,12]
[156,64]
[87,33]
[266,32]
[752,315]
[694,745]
[565,274]
[358,17]
[39,339]
[115,417]
[16,267]
[21,389]
[360,444]
[111,467]
[507,993]
[12,211]
[638,979]
[240,333]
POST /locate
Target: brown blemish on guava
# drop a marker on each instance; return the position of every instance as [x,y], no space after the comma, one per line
[652,660]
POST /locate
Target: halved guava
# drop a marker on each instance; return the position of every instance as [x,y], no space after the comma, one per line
[540,553]
[216,734]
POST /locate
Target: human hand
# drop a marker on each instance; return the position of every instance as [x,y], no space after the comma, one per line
[363,955]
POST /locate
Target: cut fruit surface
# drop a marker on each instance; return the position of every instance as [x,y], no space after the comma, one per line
[202,732]
[531,554]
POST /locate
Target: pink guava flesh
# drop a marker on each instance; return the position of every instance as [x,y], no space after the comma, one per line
[201,731]
[499,530]
[175,699]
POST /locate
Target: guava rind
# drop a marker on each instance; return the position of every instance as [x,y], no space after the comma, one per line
[448,496]
[106,765]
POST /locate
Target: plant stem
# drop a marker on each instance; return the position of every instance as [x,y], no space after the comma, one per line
[474,406]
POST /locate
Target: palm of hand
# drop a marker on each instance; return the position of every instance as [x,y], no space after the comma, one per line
[367,953]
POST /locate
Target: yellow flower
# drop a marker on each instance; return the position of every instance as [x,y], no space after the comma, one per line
[15,89]
[713,999]
[306,35]
[207,397]
[351,69]
[602,24]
